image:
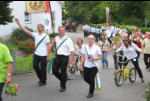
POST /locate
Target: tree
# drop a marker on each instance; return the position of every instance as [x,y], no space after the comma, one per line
[5,15]
[121,12]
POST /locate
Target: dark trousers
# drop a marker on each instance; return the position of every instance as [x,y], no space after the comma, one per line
[1,90]
[136,65]
[115,60]
[41,72]
[89,76]
[146,60]
[59,69]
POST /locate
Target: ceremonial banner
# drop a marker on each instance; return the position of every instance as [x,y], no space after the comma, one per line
[35,6]
[47,15]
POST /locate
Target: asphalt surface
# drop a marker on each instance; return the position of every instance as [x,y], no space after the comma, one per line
[77,89]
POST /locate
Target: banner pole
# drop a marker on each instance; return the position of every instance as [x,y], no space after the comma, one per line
[52,23]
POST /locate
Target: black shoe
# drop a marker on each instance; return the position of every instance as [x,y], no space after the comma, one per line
[90,95]
[62,90]
[41,84]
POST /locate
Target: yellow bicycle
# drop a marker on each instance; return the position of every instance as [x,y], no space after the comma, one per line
[125,73]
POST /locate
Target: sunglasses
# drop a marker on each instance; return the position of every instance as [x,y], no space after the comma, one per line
[125,40]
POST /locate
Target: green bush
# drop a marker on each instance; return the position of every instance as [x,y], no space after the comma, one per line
[53,35]
[19,35]
[147,93]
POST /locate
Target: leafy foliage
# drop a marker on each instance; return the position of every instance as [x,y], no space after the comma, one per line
[19,35]
[5,15]
[121,12]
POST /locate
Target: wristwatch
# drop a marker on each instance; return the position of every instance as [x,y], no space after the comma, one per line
[9,74]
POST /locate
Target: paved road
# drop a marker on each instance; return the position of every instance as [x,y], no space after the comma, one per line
[77,89]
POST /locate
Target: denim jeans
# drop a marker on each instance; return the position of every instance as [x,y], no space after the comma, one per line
[104,59]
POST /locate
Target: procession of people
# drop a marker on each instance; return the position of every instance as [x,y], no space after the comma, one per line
[101,42]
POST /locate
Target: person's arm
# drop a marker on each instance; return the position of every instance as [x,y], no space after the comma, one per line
[48,51]
[24,29]
[9,73]
[143,45]
[72,58]
[81,62]
[98,58]
[53,45]
[71,48]
[137,48]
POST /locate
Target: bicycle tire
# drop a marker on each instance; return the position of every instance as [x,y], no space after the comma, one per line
[71,72]
[132,80]
[119,78]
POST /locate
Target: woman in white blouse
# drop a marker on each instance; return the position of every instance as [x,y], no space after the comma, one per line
[90,56]
[78,46]
[129,50]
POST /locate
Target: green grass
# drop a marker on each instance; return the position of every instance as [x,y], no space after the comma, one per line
[25,64]
[12,47]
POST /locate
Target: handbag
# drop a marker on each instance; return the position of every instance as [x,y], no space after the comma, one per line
[54,57]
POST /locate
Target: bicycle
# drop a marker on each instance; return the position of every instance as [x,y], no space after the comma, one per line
[72,70]
[125,73]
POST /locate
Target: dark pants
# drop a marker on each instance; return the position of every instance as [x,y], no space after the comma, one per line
[59,69]
[89,76]
[41,72]
[115,60]
[1,90]
[146,60]
[136,65]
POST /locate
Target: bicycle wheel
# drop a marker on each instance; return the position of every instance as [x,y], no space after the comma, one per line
[71,72]
[132,75]
[119,78]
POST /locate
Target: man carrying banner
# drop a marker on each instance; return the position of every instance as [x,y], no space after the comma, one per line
[41,53]
[64,47]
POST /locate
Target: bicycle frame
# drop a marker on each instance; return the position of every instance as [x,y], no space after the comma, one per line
[125,70]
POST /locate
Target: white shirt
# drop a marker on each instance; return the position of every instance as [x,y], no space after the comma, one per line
[130,52]
[94,51]
[78,50]
[66,47]
[42,48]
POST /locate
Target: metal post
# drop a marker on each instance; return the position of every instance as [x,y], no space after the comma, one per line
[146,22]
[13,54]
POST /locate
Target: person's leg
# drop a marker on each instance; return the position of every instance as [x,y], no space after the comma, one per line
[136,65]
[43,69]
[63,69]
[120,59]
[103,64]
[1,90]
[86,73]
[146,60]
[56,68]
[115,62]
[93,72]
[105,59]
[36,60]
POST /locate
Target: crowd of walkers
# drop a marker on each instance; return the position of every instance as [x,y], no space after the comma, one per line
[117,40]
[101,41]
